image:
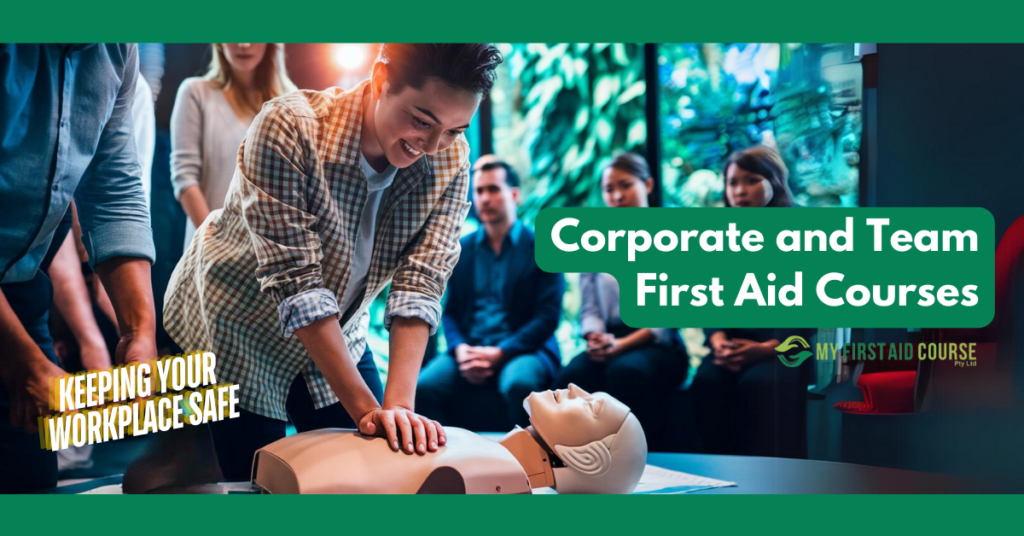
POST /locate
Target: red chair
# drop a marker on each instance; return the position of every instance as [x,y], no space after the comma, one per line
[943,385]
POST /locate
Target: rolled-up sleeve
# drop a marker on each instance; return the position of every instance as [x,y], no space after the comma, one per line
[303,309]
[272,181]
[424,269]
[186,138]
[110,199]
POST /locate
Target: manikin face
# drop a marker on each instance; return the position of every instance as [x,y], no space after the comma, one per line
[494,199]
[415,122]
[620,189]
[747,189]
[574,417]
[244,57]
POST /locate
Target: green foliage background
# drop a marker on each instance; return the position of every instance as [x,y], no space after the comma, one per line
[561,111]
[717,98]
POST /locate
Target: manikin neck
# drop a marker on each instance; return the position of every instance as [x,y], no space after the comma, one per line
[533,454]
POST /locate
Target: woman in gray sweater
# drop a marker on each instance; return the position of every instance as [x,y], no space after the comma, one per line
[211,116]
[640,367]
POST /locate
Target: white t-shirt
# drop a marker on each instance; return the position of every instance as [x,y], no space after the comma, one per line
[377,186]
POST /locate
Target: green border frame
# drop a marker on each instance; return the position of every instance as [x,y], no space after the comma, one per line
[194,21]
[572,515]
[810,21]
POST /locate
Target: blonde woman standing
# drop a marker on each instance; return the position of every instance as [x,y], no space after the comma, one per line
[211,116]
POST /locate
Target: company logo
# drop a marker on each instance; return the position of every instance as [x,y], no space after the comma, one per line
[794,351]
[961,354]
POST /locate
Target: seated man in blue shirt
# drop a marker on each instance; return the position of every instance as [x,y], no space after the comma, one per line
[65,132]
[499,320]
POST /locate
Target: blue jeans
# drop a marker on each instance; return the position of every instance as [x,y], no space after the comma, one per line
[496,405]
[24,465]
[237,440]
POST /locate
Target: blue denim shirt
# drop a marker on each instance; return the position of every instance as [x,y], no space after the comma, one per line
[490,278]
[66,131]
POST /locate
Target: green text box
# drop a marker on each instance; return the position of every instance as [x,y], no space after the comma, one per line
[969,273]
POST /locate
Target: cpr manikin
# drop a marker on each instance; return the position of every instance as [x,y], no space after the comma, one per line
[577,443]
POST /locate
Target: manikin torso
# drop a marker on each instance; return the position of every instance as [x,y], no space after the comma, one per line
[344,461]
[578,443]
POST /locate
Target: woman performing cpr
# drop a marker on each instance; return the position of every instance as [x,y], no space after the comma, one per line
[336,194]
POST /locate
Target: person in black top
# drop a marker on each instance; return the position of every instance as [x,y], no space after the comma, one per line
[745,400]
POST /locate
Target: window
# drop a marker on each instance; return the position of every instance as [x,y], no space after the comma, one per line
[719,98]
[560,112]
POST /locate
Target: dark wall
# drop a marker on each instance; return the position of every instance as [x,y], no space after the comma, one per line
[950,127]
[947,131]
[182,61]
[945,128]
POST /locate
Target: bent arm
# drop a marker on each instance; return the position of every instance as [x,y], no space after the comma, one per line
[71,299]
[325,343]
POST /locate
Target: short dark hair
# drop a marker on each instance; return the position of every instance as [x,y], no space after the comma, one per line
[511,177]
[466,66]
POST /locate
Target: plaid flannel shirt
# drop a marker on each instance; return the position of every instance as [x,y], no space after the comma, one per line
[278,255]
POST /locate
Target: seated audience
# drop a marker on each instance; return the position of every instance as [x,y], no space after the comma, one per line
[641,367]
[499,319]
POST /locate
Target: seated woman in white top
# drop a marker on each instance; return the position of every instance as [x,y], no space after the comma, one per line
[211,116]
[641,366]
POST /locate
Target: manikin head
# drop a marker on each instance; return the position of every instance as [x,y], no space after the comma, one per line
[598,439]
